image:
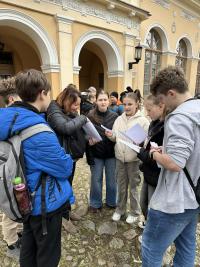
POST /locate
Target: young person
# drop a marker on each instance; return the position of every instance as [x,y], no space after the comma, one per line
[63,117]
[101,156]
[115,104]
[10,229]
[127,163]
[42,155]
[174,210]
[155,110]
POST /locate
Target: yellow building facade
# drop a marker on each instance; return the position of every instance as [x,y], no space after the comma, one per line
[91,42]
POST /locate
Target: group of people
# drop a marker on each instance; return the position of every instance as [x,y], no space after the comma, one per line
[166,199]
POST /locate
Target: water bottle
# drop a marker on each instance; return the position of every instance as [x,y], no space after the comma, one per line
[22,196]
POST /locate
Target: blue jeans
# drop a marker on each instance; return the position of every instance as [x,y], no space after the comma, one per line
[97,182]
[162,229]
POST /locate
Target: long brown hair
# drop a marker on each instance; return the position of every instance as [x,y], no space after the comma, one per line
[69,94]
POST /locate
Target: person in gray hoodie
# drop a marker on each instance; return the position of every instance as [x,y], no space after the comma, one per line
[173,213]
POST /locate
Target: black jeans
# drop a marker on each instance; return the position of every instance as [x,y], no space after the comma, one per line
[40,250]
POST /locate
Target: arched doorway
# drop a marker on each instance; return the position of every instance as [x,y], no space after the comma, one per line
[17,52]
[26,43]
[98,61]
[92,71]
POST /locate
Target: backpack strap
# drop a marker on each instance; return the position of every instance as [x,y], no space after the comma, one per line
[35,129]
[189,178]
[25,134]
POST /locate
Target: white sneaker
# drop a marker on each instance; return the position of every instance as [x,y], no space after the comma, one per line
[131,219]
[116,216]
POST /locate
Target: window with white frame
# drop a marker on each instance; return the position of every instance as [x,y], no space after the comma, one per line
[153,56]
[181,58]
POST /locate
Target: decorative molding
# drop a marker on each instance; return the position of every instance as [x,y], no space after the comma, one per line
[34,30]
[87,9]
[76,69]
[189,45]
[163,35]
[115,73]
[173,27]
[188,16]
[170,53]
[108,46]
[50,68]
[129,35]
[163,3]
[64,19]
[110,6]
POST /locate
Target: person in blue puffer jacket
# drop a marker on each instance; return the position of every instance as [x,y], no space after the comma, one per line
[42,154]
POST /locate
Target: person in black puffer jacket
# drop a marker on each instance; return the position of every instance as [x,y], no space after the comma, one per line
[102,155]
[149,167]
[62,116]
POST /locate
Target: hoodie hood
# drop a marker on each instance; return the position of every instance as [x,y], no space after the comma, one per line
[190,109]
[24,119]
[138,114]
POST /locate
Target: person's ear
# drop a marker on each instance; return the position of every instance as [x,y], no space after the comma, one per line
[171,92]
[42,94]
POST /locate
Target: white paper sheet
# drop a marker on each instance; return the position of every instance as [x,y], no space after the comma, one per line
[136,134]
[132,146]
[153,144]
[91,131]
[106,129]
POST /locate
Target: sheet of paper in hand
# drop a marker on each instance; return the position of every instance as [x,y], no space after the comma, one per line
[91,131]
[136,134]
[131,145]
[106,129]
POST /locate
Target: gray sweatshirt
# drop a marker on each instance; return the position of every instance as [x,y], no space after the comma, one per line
[181,142]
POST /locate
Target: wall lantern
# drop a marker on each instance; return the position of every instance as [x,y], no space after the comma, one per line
[138,55]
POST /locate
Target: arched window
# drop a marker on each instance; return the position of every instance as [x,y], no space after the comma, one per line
[152,58]
[181,58]
[197,88]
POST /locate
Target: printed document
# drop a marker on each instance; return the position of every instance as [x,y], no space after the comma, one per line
[136,134]
[91,131]
[132,146]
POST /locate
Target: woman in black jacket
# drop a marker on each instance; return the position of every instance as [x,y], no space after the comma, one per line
[149,167]
[63,117]
[101,155]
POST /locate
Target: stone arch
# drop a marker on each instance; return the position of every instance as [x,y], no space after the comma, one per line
[188,43]
[36,32]
[107,44]
[162,33]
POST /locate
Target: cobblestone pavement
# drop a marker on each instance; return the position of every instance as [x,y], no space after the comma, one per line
[98,241]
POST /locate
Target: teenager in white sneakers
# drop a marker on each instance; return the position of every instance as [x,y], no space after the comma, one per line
[127,163]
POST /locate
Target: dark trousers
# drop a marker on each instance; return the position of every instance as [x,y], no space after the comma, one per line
[40,250]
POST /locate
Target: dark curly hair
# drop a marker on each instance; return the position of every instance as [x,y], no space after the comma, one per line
[169,78]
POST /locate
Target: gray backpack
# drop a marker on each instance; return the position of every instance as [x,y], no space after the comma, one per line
[11,166]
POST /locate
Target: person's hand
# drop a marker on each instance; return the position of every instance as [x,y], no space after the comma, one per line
[108,133]
[155,149]
[92,141]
